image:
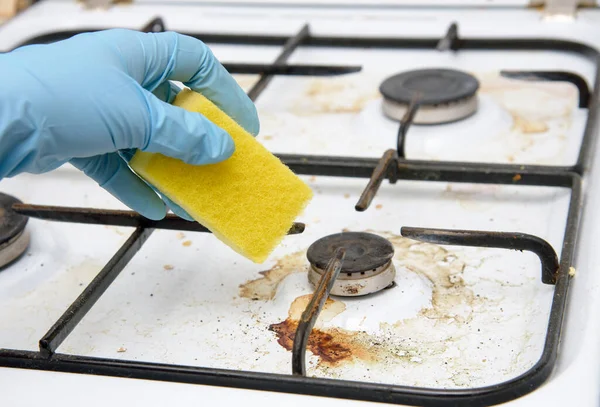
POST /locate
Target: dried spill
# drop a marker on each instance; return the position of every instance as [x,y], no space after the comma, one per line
[539,110]
[265,288]
[332,346]
[429,349]
[335,95]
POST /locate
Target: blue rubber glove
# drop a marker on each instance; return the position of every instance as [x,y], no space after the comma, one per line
[93,99]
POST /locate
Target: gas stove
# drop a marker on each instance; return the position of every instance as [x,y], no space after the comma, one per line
[446,259]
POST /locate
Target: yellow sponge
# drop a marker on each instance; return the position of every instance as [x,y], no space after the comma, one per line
[248,201]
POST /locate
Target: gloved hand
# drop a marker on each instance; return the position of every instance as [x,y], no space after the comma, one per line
[93,99]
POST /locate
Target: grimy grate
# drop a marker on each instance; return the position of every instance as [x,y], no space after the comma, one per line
[394,167]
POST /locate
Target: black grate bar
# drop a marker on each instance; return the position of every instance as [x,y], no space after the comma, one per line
[77,310]
[289,47]
[500,240]
[450,41]
[504,44]
[584,160]
[312,311]
[563,277]
[416,170]
[117,218]
[554,76]
[290,70]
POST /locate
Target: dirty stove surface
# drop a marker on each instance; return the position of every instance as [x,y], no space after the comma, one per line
[457,317]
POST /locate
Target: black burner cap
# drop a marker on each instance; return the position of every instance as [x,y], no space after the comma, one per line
[12,224]
[364,251]
[436,86]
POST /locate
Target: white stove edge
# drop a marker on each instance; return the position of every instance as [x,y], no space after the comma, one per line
[575,382]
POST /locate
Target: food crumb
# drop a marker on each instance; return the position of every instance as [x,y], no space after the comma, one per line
[378,206]
[168,267]
[517,178]
[122,349]
[187,243]
[572,271]
[180,235]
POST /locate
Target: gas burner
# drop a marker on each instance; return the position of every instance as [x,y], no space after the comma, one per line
[14,239]
[445,95]
[367,268]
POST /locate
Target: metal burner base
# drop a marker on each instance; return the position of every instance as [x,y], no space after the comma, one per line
[14,248]
[357,284]
[433,114]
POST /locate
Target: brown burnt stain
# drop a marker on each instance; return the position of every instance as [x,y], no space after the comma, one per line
[526,126]
[536,6]
[347,196]
[100,5]
[540,7]
[532,107]
[450,298]
[332,345]
[334,95]
[265,288]
[352,289]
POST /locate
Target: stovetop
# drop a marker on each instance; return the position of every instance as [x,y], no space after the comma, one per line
[460,318]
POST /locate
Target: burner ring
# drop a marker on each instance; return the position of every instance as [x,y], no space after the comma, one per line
[12,224]
[364,251]
[14,240]
[445,95]
[367,267]
[357,284]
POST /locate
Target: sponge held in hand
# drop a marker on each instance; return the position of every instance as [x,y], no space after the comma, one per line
[248,201]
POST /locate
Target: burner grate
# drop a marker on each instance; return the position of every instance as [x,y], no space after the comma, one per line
[393,166]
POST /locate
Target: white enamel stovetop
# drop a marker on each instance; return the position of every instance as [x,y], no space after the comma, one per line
[179,300]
